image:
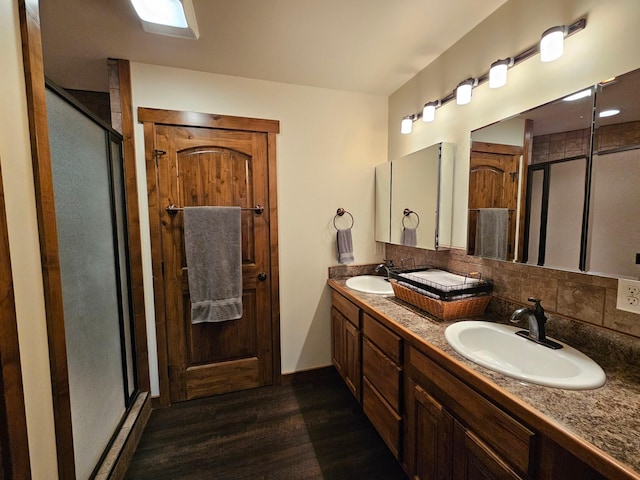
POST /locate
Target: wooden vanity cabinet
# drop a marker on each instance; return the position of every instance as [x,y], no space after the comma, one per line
[382,381]
[454,433]
[437,425]
[346,350]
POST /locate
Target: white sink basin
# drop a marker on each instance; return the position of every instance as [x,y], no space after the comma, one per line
[497,347]
[370,284]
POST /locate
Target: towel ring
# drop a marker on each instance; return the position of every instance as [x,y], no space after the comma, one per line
[408,212]
[340,212]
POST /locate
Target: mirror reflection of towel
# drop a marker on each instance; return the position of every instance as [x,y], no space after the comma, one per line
[409,237]
[492,233]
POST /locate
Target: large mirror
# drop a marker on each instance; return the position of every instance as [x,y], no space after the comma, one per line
[414,197]
[558,185]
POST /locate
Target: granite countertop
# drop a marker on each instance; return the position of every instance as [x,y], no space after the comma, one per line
[607,417]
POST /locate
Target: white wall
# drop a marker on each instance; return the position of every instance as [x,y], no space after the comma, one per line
[19,196]
[606,47]
[329,144]
[507,132]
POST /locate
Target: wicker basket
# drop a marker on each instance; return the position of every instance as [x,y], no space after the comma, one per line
[466,307]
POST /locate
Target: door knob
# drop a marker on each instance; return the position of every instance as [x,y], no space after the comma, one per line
[262,276]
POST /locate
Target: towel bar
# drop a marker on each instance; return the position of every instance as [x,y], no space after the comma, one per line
[340,212]
[172,209]
[406,212]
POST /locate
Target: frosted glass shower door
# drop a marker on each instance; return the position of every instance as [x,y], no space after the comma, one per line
[92,254]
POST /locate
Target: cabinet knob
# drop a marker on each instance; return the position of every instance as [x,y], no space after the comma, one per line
[262,276]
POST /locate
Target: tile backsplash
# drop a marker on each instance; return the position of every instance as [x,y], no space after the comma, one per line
[588,298]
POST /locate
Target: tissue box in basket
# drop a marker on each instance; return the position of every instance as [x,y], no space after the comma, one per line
[466,307]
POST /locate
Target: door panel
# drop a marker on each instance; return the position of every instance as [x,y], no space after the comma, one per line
[493,183]
[213,167]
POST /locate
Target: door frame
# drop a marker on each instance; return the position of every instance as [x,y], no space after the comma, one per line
[150,117]
[15,462]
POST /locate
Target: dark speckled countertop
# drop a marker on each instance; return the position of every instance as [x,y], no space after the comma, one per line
[607,417]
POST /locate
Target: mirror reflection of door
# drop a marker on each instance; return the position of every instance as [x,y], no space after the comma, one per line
[493,184]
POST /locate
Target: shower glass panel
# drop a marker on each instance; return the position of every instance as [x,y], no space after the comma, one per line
[564,218]
[555,212]
[91,224]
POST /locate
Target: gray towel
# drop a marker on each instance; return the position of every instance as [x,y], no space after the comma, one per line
[409,237]
[345,246]
[212,239]
[492,233]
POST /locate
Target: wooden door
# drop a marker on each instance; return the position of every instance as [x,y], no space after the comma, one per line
[493,183]
[352,358]
[198,166]
[431,437]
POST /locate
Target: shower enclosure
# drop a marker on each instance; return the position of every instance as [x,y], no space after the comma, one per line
[91,223]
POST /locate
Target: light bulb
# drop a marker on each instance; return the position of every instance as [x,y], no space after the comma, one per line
[609,113]
[577,96]
[552,44]
[498,73]
[429,111]
[407,125]
[463,92]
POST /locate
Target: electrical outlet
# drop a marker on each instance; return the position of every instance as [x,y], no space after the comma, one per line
[628,295]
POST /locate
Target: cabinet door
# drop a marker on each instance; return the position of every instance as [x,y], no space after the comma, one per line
[432,438]
[352,358]
[473,459]
[337,341]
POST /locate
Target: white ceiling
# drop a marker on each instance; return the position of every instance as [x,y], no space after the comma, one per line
[369,46]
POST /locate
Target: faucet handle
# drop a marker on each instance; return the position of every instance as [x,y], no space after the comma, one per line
[536,304]
[537,308]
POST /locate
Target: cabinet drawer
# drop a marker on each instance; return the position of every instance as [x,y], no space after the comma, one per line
[509,438]
[387,341]
[348,309]
[386,421]
[383,374]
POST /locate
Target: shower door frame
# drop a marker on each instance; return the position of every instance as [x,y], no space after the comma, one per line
[41,159]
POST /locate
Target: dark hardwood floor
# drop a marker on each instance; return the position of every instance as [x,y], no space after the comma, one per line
[310,428]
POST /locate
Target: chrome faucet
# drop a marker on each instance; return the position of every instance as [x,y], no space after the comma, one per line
[386,266]
[537,320]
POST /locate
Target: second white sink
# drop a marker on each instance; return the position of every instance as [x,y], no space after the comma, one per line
[497,347]
[370,284]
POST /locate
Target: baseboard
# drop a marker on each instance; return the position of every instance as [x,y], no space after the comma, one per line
[308,375]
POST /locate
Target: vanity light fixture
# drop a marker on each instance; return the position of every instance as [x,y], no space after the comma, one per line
[609,113]
[498,72]
[429,111]
[550,47]
[578,95]
[463,92]
[175,18]
[552,43]
[407,124]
